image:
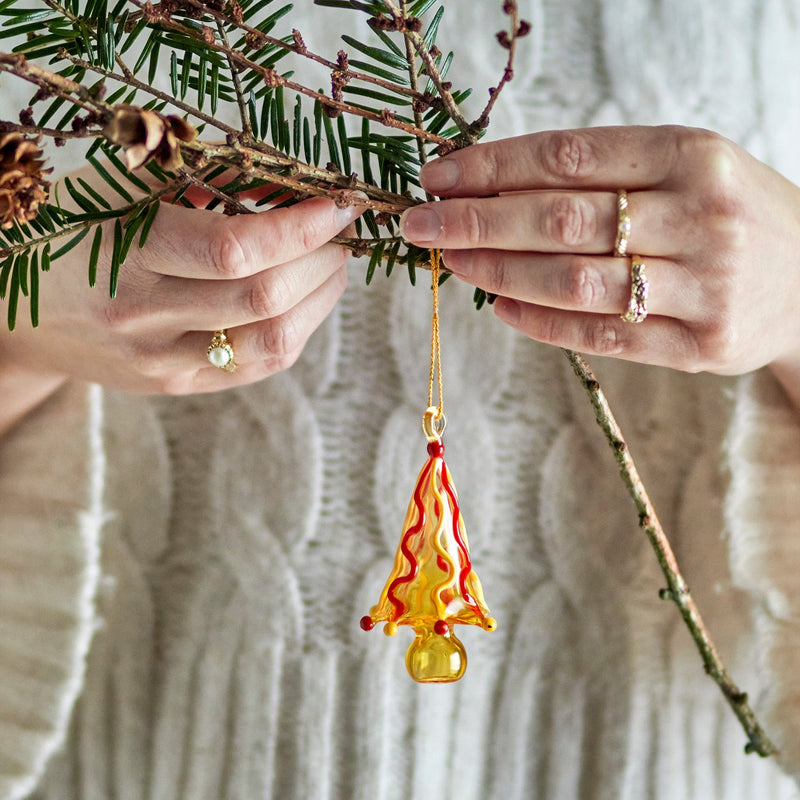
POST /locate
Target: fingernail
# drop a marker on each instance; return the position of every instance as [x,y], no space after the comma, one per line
[440,175]
[420,224]
[508,310]
[459,262]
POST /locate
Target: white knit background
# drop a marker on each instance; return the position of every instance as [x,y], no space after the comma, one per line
[252,529]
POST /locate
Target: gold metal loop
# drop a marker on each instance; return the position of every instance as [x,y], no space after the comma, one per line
[434,422]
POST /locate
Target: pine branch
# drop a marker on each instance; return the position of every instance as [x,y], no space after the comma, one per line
[298,46]
[83,222]
[273,79]
[468,131]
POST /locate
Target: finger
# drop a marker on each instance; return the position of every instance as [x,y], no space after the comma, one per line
[547,221]
[215,304]
[660,341]
[260,349]
[630,157]
[599,285]
[192,243]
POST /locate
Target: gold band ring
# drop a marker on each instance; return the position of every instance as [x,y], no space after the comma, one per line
[623,224]
[640,289]
[220,352]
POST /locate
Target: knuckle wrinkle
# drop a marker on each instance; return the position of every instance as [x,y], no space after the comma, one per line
[569,156]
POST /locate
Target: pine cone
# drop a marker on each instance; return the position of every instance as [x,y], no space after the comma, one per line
[145,134]
[22,185]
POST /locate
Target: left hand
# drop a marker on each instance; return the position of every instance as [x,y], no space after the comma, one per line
[533,220]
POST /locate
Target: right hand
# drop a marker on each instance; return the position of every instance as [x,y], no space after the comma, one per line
[269,279]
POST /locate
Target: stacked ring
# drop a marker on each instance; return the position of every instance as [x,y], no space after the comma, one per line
[640,289]
[623,224]
[220,352]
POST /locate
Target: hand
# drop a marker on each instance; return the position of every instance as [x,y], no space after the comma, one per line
[268,278]
[533,219]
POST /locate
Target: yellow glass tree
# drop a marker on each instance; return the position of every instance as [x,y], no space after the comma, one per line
[432,586]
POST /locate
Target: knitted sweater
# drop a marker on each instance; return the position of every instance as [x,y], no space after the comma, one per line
[231,542]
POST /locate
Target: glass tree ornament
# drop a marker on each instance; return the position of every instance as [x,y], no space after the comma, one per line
[432,586]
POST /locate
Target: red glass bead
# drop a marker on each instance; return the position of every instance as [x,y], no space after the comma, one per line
[436,449]
[440,627]
[366,623]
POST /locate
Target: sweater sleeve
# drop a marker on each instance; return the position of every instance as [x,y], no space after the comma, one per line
[763,521]
[50,517]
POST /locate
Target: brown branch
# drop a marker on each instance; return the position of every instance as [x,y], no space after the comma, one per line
[244,117]
[129,78]
[17,64]
[272,78]
[351,74]
[256,159]
[229,200]
[432,71]
[517,29]
[677,590]
[412,76]
[6,126]
[303,179]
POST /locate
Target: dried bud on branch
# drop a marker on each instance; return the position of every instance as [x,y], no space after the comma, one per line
[145,134]
[339,79]
[504,39]
[397,22]
[299,44]
[236,12]
[422,103]
[22,187]
[255,40]
[381,23]
[272,79]
[153,14]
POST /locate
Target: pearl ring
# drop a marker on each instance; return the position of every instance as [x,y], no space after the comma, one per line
[220,352]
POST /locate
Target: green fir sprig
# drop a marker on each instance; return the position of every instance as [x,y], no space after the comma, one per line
[95,67]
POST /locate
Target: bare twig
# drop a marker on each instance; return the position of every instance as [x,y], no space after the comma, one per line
[517,29]
[6,126]
[677,590]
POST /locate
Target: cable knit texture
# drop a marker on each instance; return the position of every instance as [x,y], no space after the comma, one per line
[49,564]
[250,530]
